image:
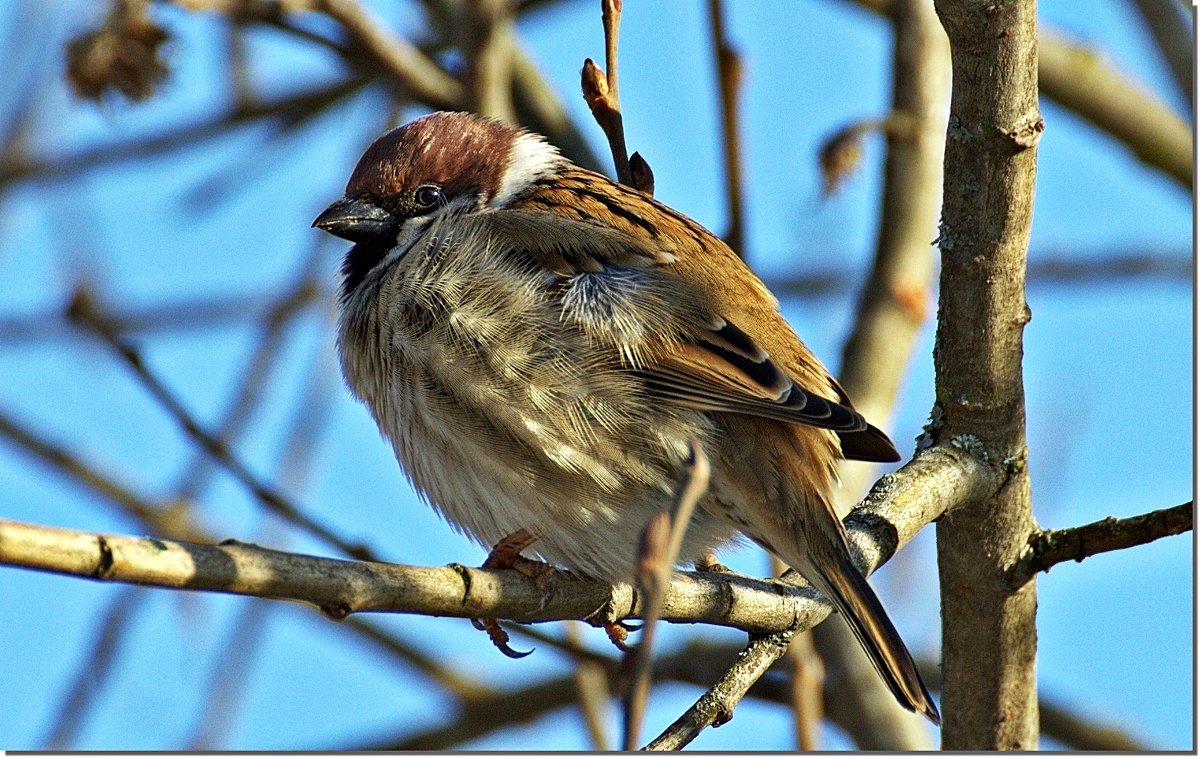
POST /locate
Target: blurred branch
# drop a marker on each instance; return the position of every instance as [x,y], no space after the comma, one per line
[1083,81]
[1079,80]
[658,553]
[84,311]
[697,662]
[1051,547]
[417,76]
[1079,733]
[290,109]
[1170,23]
[203,312]
[173,522]
[228,680]
[94,671]
[729,76]
[806,684]
[892,309]
[254,378]
[222,310]
[488,43]
[593,689]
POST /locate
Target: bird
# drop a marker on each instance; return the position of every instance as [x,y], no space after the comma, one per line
[540,345]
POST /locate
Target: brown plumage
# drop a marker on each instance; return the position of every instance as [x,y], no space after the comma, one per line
[539,344]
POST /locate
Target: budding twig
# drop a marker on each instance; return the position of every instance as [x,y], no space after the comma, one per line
[662,539]
[600,93]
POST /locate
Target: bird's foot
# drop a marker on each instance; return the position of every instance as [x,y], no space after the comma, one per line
[507,555]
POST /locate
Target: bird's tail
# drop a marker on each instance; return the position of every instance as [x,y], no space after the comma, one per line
[838,579]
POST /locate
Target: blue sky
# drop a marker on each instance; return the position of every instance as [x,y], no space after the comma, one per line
[1108,370]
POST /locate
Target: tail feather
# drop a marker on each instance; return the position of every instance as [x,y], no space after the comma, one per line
[846,587]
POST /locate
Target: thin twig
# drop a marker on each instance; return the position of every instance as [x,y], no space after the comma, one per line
[593,690]
[539,104]
[458,685]
[229,680]
[729,76]
[696,662]
[83,311]
[892,307]
[171,522]
[1079,80]
[95,671]
[659,552]
[289,109]
[1170,23]
[254,378]
[716,706]
[600,92]
[806,680]
[1049,548]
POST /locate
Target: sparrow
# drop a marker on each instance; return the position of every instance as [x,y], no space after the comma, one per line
[540,344]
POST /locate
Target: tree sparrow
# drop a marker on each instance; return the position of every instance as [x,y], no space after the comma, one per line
[539,344]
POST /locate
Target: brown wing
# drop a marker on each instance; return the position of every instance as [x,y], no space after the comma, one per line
[729,373]
[706,362]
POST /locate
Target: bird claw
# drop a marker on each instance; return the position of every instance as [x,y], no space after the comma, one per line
[499,637]
[507,555]
[617,634]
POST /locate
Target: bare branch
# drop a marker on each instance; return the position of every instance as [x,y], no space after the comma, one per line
[95,671]
[488,45]
[1169,22]
[172,522]
[903,491]
[1048,548]
[715,706]
[288,109]
[892,308]
[699,662]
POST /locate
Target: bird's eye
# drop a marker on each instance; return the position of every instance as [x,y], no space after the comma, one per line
[427,196]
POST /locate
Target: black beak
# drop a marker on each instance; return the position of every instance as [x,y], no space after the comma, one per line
[355,219]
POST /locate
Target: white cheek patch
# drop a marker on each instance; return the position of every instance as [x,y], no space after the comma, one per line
[531,159]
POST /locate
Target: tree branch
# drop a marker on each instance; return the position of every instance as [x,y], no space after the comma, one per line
[989,634]
[899,505]
[1081,80]
[1048,548]
[657,556]
[696,662]
[84,311]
